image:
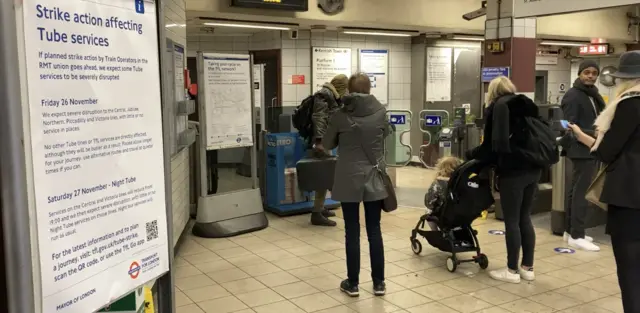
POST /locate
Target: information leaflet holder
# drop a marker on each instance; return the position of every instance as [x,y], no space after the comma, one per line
[106,230]
[434,122]
[227,120]
[397,152]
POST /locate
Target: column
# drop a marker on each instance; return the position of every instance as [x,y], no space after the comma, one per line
[520,45]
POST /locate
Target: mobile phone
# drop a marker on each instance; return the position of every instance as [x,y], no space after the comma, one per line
[564,123]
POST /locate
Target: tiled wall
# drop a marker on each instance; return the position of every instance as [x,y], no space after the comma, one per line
[296,58]
[557,74]
[174,13]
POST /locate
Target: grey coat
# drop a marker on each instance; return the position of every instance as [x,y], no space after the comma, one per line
[353,180]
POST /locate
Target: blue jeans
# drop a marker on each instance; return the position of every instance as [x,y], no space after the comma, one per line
[372,213]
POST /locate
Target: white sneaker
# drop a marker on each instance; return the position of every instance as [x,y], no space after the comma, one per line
[527,275]
[566,237]
[505,275]
[583,244]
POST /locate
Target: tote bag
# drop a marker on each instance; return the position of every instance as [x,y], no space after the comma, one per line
[595,189]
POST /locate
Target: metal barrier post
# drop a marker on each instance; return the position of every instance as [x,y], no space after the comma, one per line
[406,115]
[424,120]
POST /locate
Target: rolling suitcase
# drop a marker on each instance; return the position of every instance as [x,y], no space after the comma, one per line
[316,174]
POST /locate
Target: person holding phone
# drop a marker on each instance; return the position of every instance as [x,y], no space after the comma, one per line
[581,106]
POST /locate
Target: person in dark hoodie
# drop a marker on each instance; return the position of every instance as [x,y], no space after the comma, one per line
[327,101]
[581,106]
[361,124]
[517,177]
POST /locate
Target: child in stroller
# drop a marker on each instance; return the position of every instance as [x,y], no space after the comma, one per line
[456,198]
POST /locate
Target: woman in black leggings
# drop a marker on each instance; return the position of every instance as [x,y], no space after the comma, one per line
[518,178]
[618,146]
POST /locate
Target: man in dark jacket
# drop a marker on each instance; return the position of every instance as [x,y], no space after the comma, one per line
[326,103]
[581,105]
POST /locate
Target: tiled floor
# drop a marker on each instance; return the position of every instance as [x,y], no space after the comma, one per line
[293,267]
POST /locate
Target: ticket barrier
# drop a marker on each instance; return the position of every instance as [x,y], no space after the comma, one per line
[282,195]
[561,180]
[432,122]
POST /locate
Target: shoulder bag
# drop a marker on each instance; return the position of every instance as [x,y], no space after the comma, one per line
[595,189]
[390,203]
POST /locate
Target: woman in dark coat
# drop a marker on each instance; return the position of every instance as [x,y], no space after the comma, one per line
[518,178]
[361,124]
[618,146]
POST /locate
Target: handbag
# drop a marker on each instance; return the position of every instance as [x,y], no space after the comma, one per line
[390,203]
[595,189]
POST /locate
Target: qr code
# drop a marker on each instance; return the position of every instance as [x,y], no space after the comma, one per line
[152,230]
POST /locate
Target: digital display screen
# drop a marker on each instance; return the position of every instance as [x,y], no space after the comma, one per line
[289,5]
[595,49]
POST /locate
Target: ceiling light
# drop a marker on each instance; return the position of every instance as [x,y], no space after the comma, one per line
[348,32]
[176,25]
[468,38]
[564,43]
[254,26]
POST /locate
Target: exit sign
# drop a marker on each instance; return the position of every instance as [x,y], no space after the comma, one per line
[595,49]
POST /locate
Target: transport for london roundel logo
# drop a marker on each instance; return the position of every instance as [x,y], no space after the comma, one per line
[134,270]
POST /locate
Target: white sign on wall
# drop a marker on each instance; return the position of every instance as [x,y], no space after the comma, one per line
[375,63]
[326,63]
[228,88]
[438,74]
[97,146]
[531,8]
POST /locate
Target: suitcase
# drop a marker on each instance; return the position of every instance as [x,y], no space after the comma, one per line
[316,174]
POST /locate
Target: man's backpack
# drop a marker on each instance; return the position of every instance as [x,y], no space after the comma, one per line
[538,144]
[302,117]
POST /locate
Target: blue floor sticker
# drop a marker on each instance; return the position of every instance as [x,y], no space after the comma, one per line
[496,232]
[564,250]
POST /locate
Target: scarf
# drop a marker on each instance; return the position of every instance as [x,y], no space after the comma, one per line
[603,122]
[591,91]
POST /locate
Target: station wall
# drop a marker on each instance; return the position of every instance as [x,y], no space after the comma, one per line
[557,74]
[296,58]
[174,13]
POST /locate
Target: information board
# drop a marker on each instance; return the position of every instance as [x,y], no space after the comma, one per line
[375,63]
[531,8]
[490,73]
[439,63]
[326,63]
[228,105]
[97,149]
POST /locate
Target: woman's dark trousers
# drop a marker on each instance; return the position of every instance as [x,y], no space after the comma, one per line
[372,213]
[517,192]
[627,254]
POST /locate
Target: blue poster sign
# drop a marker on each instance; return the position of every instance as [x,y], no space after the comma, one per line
[433,120]
[489,73]
[398,119]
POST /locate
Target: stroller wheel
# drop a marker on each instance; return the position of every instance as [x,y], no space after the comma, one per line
[416,246]
[452,264]
[483,261]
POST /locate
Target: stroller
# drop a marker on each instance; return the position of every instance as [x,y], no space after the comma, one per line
[468,194]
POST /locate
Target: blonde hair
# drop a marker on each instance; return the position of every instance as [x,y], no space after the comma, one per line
[447,165]
[624,84]
[499,87]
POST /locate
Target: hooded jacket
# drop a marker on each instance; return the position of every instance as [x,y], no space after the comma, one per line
[326,103]
[502,134]
[353,168]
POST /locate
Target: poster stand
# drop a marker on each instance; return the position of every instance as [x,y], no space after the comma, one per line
[231,213]
[24,280]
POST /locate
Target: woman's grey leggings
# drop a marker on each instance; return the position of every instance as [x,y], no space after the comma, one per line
[517,192]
